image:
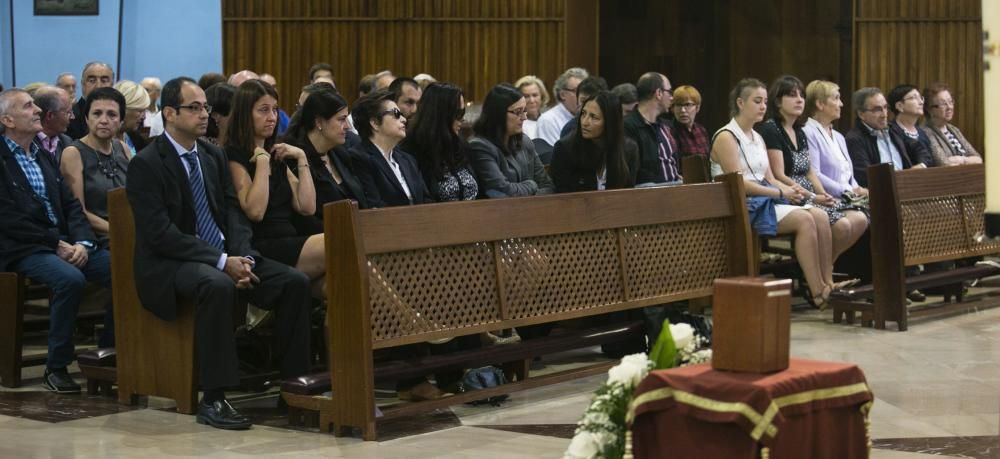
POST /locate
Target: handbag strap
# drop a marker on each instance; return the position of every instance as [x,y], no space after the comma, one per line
[743,153]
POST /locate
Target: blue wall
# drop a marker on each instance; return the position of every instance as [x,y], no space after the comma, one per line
[162,38]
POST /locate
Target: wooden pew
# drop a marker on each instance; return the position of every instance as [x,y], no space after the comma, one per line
[919,216]
[407,275]
[18,318]
[154,356]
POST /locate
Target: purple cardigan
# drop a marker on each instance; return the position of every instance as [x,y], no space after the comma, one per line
[833,168]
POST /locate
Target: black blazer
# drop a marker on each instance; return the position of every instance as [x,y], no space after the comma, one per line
[25,227]
[353,172]
[570,174]
[165,225]
[861,144]
[64,141]
[388,192]
[78,125]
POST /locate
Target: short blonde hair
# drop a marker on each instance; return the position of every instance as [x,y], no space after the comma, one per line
[816,91]
[136,97]
[533,80]
[687,93]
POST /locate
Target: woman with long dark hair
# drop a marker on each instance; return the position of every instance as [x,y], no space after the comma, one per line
[319,128]
[597,155]
[503,158]
[788,154]
[432,137]
[268,191]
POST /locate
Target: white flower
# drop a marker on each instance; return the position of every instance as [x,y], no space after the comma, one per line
[682,333]
[630,371]
[584,445]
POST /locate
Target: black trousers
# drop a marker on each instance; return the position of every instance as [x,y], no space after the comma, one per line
[281,289]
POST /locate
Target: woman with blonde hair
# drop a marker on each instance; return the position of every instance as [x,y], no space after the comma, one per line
[537,97]
[136,103]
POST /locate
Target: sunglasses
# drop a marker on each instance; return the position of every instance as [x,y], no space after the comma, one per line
[394,112]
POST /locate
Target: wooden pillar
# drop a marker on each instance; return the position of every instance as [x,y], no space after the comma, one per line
[582,39]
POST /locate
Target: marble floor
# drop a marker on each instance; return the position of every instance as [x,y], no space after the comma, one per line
[937,388]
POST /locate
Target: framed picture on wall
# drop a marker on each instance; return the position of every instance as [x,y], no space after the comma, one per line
[66,7]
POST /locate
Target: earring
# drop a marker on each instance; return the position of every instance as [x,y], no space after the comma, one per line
[320,127]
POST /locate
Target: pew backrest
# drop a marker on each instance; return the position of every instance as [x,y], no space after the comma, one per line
[405,275]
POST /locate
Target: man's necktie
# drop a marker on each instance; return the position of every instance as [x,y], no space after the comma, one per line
[208,230]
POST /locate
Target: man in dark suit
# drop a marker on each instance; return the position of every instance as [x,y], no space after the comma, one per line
[44,234]
[871,141]
[57,113]
[193,244]
[95,75]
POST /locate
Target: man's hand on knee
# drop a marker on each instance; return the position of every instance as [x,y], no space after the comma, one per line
[240,270]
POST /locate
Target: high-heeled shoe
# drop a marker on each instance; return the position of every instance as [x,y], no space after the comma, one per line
[821,301]
[845,284]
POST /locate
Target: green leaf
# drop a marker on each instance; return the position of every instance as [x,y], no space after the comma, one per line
[664,354]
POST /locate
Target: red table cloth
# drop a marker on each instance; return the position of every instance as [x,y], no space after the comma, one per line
[813,409]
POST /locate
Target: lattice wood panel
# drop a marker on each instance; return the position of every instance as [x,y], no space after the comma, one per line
[427,290]
[924,223]
[974,207]
[674,258]
[552,274]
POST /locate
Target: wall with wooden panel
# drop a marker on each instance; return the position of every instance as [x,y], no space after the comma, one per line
[472,43]
[713,44]
[920,42]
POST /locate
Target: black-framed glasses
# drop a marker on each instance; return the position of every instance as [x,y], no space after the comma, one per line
[394,112]
[686,106]
[669,91]
[196,107]
[520,113]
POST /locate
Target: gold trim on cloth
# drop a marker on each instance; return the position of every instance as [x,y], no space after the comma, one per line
[762,422]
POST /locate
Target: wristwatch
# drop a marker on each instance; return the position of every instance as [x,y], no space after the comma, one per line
[88,245]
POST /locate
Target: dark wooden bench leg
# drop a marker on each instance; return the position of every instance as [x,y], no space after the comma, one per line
[11,321]
[517,369]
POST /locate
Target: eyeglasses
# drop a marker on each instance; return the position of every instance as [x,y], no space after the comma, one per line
[916,97]
[572,90]
[196,107]
[876,109]
[944,103]
[394,112]
[520,113]
[669,91]
[686,106]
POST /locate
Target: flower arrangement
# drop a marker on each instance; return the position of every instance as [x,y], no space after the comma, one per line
[601,433]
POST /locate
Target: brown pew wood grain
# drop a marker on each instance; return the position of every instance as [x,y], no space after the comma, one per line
[411,274]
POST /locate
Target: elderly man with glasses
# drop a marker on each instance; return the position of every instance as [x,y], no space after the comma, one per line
[871,141]
[550,123]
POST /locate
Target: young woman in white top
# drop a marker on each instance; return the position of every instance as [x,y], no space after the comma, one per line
[741,149]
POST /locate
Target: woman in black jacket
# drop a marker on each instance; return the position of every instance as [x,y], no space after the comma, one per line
[320,130]
[597,155]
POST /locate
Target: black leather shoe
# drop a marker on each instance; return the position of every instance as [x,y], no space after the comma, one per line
[60,382]
[221,415]
[916,296]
